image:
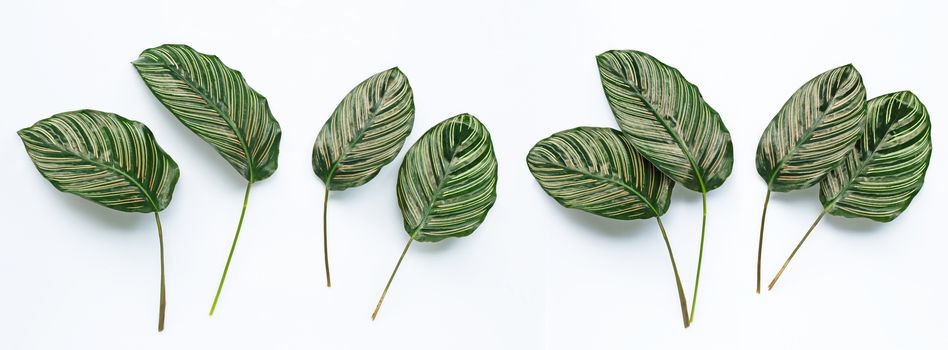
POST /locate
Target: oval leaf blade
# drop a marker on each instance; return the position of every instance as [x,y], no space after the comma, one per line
[813,131]
[597,170]
[448,180]
[104,158]
[886,169]
[216,103]
[668,120]
[365,132]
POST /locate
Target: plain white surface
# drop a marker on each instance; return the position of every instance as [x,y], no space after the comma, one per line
[535,275]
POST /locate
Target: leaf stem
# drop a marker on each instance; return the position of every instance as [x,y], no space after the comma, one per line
[161,298]
[325,237]
[771,286]
[681,292]
[232,246]
[760,243]
[399,263]
[704,220]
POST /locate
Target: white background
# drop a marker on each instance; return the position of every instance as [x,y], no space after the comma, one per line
[535,275]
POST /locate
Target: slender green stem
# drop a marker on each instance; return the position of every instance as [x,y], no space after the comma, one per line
[399,263]
[681,292]
[704,220]
[325,238]
[161,298]
[232,246]
[794,252]
[760,243]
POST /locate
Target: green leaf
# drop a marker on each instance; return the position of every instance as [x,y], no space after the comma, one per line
[365,132]
[446,185]
[216,103]
[810,135]
[887,167]
[109,160]
[448,180]
[104,158]
[669,122]
[813,131]
[884,170]
[597,170]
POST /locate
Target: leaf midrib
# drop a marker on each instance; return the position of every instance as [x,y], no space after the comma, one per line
[141,188]
[806,137]
[861,168]
[611,180]
[200,91]
[440,188]
[674,134]
[358,137]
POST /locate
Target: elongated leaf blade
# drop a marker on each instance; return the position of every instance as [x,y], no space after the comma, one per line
[104,158]
[887,166]
[667,119]
[448,180]
[215,102]
[365,132]
[813,131]
[597,170]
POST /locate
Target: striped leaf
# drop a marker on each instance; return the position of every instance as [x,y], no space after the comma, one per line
[365,132]
[446,184]
[669,122]
[887,167]
[104,158]
[597,170]
[448,180]
[813,131]
[216,103]
[109,160]
[884,170]
[810,135]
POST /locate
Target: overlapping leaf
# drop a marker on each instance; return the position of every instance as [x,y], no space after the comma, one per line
[104,158]
[886,169]
[216,103]
[667,119]
[597,170]
[365,132]
[447,182]
[813,131]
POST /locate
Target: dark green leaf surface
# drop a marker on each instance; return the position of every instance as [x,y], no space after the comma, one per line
[365,132]
[813,131]
[597,170]
[667,119]
[448,180]
[104,158]
[216,103]
[886,169]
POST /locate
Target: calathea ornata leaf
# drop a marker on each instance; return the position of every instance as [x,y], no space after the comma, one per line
[106,159]
[886,167]
[218,105]
[810,135]
[446,184]
[597,170]
[364,133]
[670,124]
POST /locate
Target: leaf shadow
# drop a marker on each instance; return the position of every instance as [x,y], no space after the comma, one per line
[855,226]
[115,221]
